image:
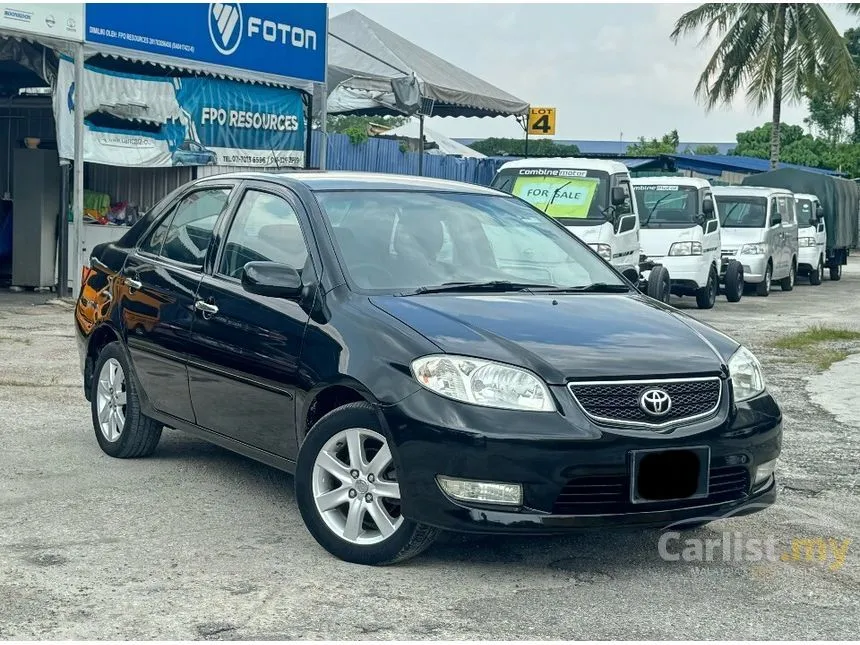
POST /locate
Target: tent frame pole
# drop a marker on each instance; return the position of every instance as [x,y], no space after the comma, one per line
[78,169]
[420,145]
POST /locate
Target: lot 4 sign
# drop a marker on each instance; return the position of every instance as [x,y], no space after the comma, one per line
[541,121]
[147,121]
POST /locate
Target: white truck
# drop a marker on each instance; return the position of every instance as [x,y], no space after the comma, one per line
[811,237]
[759,229]
[591,197]
[680,230]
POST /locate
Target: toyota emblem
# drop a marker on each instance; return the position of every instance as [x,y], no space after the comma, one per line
[655,402]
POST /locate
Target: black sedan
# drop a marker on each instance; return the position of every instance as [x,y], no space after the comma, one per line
[423,356]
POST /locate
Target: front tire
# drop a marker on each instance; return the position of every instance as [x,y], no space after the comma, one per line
[347,491]
[817,274]
[707,295]
[763,288]
[787,283]
[122,431]
[660,284]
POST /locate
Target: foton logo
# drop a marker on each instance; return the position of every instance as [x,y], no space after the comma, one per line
[226,27]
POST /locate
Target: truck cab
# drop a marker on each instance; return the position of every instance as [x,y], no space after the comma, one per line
[680,230]
[591,197]
[811,237]
[759,230]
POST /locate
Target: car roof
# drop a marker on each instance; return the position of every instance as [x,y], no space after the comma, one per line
[695,182]
[322,180]
[752,191]
[808,196]
[567,163]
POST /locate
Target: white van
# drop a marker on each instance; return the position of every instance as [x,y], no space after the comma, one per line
[811,237]
[759,229]
[680,229]
[591,197]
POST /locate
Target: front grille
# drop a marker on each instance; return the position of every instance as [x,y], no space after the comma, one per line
[618,402]
[728,253]
[610,494]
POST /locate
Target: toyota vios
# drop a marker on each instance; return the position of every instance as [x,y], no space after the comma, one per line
[422,355]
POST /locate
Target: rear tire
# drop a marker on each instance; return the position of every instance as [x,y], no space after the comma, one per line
[349,500]
[817,274]
[763,288]
[836,273]
[787,283]
[659,284]
[122,431]
[707,295]
[734,281]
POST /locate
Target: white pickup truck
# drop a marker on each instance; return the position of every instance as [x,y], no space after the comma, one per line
[680,230]
[811,237]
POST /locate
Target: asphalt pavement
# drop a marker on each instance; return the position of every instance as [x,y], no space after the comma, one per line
[198,543]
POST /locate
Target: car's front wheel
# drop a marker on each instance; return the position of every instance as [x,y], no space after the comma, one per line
[348,493]
[121,429]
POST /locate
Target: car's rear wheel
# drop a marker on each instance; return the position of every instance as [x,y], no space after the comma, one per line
[659,284]
[734,281]
[348,493]
[836,272]
[122,431]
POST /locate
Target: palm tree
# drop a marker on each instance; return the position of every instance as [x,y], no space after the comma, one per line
[772,50]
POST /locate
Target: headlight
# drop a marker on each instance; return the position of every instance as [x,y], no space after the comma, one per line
[603,250]
[686,248]
[746,374]
[493,385]
[806,241]
[753,249]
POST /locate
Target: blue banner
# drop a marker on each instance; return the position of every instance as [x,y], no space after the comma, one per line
[149,121]
[281,39]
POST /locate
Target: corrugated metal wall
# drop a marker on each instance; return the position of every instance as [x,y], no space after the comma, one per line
[141,186]
[16,124]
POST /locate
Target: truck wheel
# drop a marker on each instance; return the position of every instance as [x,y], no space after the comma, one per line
[659,284]
[734,281]
[707,295]
[836,272]
[816,274]
[787,283]
[763,288]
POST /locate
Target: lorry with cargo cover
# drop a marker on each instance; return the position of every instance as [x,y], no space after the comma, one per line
[840,203]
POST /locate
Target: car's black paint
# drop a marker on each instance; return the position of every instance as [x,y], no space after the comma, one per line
[252,377]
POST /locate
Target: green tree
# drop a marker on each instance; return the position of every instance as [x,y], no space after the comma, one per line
[503,147]
[772,50]
[358,127]
[706,149]
[668,144]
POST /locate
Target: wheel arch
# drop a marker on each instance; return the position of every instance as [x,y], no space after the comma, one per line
[102,336]
[327,398]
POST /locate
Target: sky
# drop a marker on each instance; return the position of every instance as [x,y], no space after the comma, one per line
[607,68]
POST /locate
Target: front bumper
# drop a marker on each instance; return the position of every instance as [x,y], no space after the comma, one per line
[808,256]
[755,266]
[686,269]
[545,452]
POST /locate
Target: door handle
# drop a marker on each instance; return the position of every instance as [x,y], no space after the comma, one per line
[133,284]
[206,308]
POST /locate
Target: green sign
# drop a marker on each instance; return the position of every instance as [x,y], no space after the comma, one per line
[570,196]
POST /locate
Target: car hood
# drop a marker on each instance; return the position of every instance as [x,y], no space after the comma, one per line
[563,337]
[734,238]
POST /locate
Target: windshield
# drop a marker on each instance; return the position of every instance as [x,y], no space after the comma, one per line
[742,212]
[667,206]
[573,197]
[400,241]
[803,208]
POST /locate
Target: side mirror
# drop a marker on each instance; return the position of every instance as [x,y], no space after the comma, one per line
[271,279]
[708,206]
[618,195]
[776,219]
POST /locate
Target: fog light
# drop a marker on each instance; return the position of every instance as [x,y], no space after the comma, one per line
[764,472]
[483,492]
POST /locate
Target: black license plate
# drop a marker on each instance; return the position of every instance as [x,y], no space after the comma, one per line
[669,475]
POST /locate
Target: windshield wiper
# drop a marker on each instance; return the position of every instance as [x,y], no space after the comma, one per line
[731,210]
[597,287]
[554,195]
[489,286]
[653,208]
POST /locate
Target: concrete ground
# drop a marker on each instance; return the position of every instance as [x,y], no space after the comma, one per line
[198,543]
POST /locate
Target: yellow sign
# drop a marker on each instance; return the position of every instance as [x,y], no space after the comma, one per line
[541,121]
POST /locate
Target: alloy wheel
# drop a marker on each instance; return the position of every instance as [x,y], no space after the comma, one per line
[355,487]
[111,400]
